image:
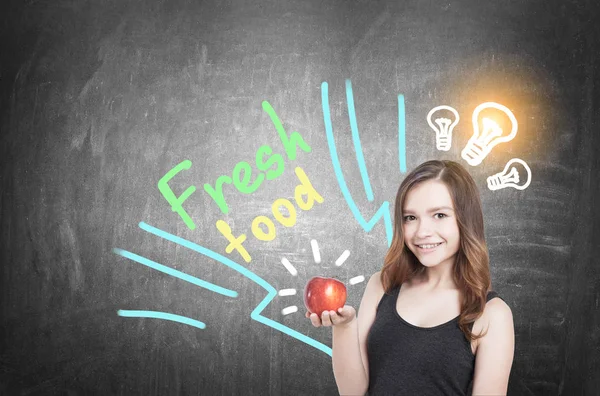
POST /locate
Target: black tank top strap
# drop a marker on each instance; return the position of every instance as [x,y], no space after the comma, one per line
[389,297]
[491,294]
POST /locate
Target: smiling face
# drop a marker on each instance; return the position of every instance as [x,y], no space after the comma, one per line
[429,224]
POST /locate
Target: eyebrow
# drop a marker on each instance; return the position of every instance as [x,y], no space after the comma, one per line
[432,209]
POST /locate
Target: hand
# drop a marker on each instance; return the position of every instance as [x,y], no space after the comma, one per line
[342,317]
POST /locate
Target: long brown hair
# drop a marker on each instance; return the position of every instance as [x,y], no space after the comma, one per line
[471,271]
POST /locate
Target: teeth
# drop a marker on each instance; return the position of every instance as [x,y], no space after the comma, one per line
[429,246]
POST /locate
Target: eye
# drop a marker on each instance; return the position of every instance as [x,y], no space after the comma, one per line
[408,218]
[441,214]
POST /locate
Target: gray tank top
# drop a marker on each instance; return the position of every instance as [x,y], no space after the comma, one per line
[408,360]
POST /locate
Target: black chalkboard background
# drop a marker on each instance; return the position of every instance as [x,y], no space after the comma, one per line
[100,99]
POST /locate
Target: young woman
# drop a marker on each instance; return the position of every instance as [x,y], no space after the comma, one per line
[428,322]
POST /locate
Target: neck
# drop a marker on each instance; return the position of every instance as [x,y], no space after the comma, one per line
[439,277]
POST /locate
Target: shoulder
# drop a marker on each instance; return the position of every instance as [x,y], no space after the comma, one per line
[496,310]
[374,286]
[376,277]
[496,320]
[374,290]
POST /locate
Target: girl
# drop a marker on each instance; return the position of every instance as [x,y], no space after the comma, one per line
[428,322]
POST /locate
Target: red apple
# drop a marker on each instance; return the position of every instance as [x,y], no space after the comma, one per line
[324,294]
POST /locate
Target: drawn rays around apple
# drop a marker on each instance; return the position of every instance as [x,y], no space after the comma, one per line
[317,257]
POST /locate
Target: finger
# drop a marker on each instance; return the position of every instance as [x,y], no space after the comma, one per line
[334,317]
[346,311]
[325,319]
[339,319]
[314,319]
[346,314]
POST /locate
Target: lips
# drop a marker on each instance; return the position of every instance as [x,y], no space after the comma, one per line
[428,247]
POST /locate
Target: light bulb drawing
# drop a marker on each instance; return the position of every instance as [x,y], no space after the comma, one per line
[511,177]
[443,127]
[485,138]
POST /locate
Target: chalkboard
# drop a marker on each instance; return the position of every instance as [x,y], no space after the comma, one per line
[173,173]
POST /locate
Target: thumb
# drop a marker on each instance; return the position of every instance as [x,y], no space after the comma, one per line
[345,314]
[345,311]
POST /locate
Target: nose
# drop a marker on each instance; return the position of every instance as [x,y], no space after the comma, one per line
[425,229]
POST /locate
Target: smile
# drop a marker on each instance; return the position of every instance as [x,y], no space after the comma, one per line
[429,247]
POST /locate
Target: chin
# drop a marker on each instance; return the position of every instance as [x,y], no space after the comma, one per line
[428,265]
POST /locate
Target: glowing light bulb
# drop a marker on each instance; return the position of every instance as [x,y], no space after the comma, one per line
[510,176]
[444,127]
[483,141]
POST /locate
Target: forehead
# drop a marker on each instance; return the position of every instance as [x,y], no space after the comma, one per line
[427,195]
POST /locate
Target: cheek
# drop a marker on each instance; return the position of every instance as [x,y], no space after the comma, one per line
[407,235]
[407,230]
[451,230]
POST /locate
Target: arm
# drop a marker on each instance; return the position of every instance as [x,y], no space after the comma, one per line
[348,369]
[350,361]
[495,351]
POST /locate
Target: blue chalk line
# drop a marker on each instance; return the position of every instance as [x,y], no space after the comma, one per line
[384,209]
[271,291]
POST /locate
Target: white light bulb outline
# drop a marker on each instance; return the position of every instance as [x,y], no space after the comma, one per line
[482,142]
[505,179]
[443,133]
